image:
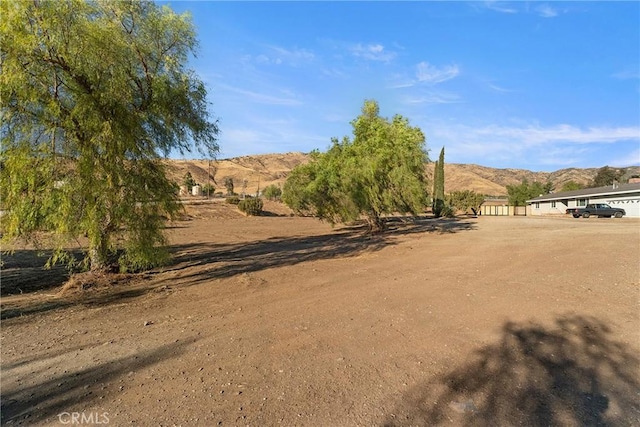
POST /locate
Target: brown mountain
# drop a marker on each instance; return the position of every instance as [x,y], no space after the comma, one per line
[262,170]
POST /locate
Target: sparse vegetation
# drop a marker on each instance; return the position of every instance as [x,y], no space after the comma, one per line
[208,190]
[447,211]
[233,200]
[272,192]
[251,206]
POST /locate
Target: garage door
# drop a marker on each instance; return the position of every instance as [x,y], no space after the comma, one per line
[631,206]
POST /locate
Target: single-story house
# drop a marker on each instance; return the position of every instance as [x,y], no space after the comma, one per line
[625,196]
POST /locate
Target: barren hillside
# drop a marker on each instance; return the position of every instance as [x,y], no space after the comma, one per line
[262,170]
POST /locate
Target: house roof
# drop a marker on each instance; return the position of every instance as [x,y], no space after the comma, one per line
[589,192]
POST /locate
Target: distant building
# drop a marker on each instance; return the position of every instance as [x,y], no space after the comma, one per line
[625,196]
[496,207]
[501,207]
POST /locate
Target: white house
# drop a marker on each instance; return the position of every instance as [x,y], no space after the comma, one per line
[625,196]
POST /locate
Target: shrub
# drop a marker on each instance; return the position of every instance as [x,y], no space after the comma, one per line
[447,211]
[208,190]
[272,192]
[234,200]
[251,206]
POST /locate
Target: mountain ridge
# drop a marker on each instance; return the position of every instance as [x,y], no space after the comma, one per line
[261,170]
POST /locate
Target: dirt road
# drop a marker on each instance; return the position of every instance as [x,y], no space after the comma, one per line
[285,321]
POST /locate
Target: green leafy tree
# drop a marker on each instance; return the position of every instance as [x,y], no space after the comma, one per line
[188,181]
[519,194]
[380,171]
[208,189]
[272,192]
[300,189]
[94,95]
[606,176]
[466,200]
[571,186]
[438,186]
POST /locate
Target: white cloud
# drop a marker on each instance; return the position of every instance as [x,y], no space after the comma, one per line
[434,98]
[242,136]
[546,11]
[336,117]
[531,144]
[402,84]
[261,98]
[264,59]
[293,55]
[431,74]
[334,73]
[499,88]
[628,73]
[499,7]
[268,136]
[630,159]
[276,55]
[537,135]
[372,52]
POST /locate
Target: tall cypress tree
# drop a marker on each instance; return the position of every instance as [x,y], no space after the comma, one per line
[435,184]
[438,185]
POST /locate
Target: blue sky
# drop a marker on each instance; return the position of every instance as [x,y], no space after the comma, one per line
[532,85]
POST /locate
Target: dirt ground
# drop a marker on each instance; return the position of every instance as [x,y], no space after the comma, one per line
[281,320]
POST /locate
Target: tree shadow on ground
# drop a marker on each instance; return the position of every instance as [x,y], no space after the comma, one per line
[12,309]
[226,260]
[23,272]
[267,213]
[80,389]
[571,374]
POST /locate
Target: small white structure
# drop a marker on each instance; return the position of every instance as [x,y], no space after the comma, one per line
[625,196]
[196,190]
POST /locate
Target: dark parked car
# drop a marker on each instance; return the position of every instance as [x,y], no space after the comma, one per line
[599,209]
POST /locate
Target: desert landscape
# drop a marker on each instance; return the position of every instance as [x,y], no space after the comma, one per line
[373,283]
[284,320]
[266,169]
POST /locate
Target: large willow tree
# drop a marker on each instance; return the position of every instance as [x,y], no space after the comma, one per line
[94,94]
[380,171]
